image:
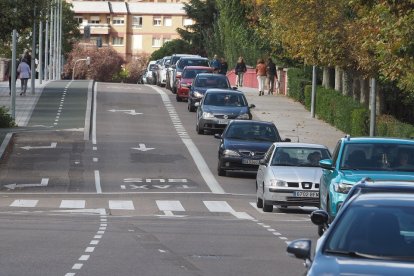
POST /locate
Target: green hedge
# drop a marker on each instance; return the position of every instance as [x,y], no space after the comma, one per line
[297,80]
[342,112]
[6,120]
[352,117]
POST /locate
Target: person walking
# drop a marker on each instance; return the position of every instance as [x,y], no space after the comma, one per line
[261,75]
[9,72]
[239,70]
[216,64]
[271,75]
[24,74]
[223,66]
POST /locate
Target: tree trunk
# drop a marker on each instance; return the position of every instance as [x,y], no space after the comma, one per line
[328,78]
[338,78]
[364,98]
[380,100]
[356,87]
[347,83]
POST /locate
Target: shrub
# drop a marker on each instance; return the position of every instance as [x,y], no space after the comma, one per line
[388,126]
[6,120]
[297,80]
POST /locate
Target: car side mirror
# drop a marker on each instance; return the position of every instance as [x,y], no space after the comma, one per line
[189,86]
[217,136]
[287,140]
[252,106]
[234,88]
[319,217]
[326,164]
[197,104]
[301,249]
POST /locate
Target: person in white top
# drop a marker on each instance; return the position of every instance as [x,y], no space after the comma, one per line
[24,75]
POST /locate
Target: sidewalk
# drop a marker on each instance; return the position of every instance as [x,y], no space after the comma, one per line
[292,119]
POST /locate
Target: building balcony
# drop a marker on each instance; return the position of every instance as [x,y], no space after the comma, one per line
[97,28]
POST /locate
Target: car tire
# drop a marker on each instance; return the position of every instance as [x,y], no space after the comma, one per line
[190,107]
[220,171]
[268,208]
[199,130]
[259,201]
[178,98]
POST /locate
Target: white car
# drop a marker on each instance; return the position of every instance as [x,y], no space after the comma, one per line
[289,175]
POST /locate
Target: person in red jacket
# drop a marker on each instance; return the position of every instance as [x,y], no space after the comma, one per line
[261,75]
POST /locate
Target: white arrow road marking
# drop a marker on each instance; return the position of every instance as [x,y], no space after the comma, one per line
[142,147]
[43,183]
[126,111]
[52,146]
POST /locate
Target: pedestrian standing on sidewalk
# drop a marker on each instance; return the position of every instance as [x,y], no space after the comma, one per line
[216,64]
[261,75]
[223,66]
[271,75]
[239,71]
[9,72]
[24,74]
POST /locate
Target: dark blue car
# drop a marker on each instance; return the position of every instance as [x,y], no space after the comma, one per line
[202,83]
[243,143]
[373,234]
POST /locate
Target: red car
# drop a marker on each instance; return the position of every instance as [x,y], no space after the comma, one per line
[186,79]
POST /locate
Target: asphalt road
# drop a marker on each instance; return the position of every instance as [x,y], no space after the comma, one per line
[138,194]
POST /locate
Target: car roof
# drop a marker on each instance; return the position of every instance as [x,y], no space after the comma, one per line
[381,186]
[251,122]
[193,57]
[220,90]
[185,55]
[295,145]
[214,75]
[198,67]
[349,139]
[384,198]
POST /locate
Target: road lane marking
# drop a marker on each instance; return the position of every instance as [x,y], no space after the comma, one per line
[24,203]
[121,205]
[170,205]
[94,114]
[194,152]
[73,204]
[98,182]
[218,206]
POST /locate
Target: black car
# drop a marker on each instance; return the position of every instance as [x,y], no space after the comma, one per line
[372,234]
[201,83]
[218,107]
[243,143]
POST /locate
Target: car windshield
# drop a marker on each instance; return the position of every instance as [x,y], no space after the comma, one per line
[374,231]
[192,62]
[191,74]
[225,99]
[252,132]
[212,82]
[378,157]
[299,156]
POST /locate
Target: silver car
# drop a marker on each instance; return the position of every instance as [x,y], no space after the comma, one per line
[289,175]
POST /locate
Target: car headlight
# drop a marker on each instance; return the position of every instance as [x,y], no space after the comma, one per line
[244,116]
[278,183]
[342,188]
[207,115]
[231,153]
[198,94]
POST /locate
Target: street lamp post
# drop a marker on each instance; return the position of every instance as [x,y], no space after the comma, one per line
[88,61]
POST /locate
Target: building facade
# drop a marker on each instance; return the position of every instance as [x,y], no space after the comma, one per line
[132,28]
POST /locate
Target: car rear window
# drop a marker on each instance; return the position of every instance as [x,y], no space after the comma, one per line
[192,62]
[212,82]
[225,99]
[191,74]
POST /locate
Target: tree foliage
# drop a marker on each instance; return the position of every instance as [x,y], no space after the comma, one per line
[176,46]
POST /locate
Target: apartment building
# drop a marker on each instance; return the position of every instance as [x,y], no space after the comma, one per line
[132,28]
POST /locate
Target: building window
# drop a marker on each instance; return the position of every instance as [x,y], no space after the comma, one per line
[187,21]
[137,22]
[117,41]
[156,21]
[79,19]
[118,21]
[95,20]
[168,21]
[156,42]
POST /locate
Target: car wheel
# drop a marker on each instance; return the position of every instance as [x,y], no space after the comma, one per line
[220,171]
[259,201]
[268,208]
[178,98]
[174,90]
[199,130]
[190,107]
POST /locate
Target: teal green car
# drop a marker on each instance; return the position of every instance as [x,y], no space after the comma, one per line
[363,157]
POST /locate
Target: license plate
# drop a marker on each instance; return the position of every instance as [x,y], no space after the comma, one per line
[250,162]
[223,122]
[305,194]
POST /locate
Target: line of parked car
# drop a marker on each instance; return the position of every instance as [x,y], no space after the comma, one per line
[364,190]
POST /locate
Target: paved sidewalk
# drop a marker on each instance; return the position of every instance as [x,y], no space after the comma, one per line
[292,119]
[24,104]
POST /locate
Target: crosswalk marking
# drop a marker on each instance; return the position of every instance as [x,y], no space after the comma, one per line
[24,203]
[121,205]
[218,206]
[170,205]
[73,204]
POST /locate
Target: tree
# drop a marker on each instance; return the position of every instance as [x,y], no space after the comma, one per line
[176,46]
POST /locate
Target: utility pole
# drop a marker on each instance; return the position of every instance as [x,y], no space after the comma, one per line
[13,76]
[47,48]
[373,104]
[40,65]
[52,22]
[33,65]
[313,97]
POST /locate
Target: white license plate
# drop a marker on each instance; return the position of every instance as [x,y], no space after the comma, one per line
[305,194]
[223,122]
[250,162]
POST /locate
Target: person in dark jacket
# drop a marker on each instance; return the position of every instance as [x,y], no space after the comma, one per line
[223,66]
[239,71]
[271,75]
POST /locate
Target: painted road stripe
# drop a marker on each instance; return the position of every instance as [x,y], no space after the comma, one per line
[98,182]
[121,205]
[75,204]
[24,203]
[170,205]
[218,206]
